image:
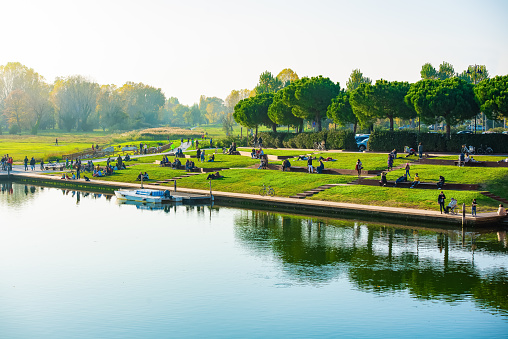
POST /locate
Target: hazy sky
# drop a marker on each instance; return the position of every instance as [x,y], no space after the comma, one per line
[189,48]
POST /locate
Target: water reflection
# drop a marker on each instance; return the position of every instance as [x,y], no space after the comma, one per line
[448,266]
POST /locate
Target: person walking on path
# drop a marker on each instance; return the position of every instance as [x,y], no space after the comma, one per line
[25,162]
[441,200]
[358,167]
[420,150]
[56,142]
[473,208]
[390,161]
[32,163]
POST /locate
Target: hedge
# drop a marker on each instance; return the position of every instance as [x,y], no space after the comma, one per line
[343,139]
[386,141]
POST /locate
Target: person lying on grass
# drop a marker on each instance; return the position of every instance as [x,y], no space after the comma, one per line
[213,176]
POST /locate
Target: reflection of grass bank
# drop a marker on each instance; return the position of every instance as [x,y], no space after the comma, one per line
[404,197]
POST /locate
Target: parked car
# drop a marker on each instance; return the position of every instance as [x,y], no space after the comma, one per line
[362,143]
[464,132]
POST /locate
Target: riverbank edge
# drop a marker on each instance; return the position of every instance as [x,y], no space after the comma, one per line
[280,204]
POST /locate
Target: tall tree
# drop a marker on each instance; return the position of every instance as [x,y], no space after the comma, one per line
[287,76]
[451,100]
[356,79]
[384,100]
[143,103]
[341,112]
[446,71]
[16,109]
[282,114]
[252,112]
[111,109]
[493,96]
[428,72]
[234,97]
[40,110]
[75,98]
[310,97]
[268,84]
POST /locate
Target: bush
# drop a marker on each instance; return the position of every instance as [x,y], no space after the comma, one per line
[343,139]
[227,141]
[14,129]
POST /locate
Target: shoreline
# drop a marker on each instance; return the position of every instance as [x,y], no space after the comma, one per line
[282,204]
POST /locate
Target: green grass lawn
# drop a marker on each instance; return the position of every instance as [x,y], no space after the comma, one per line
[492,179]
[404,197]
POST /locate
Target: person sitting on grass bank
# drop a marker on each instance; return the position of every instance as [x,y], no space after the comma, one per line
[411,152]
[383,180]
[213,176]
[501,211]
[416,181]
[451,206]
[264,162]
[400,179]
[140,176]
[286,165]
[320,168]
[211,158]
[440,183]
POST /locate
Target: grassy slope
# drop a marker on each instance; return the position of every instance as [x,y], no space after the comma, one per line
[404,197]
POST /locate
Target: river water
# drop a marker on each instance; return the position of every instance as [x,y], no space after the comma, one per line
[82,265]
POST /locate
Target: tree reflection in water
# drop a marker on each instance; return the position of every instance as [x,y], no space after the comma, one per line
[382,259]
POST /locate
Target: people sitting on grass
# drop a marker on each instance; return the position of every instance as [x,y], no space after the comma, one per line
[140,176]
[127,158]
[451,206]
[394,154]
[321,167]
[416,181]
[504,160]
[286,165]
[264,162]
[211,158]
[176,164]
[383,180]
[400,179]
[303,157]
[145,176]
[253,153]
[213,176]
[232,148]
[441,182]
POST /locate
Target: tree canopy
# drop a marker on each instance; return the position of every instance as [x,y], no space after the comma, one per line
[341,112]
[252,112]
[384,100]
[451,100]
[309,98]
[282,114]
[493,96]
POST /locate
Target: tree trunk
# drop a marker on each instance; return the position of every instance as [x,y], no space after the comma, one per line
[391,124]
[448,130]
[354,127]
[256,135]
[274,128]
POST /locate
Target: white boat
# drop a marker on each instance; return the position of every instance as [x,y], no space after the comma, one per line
[147,195]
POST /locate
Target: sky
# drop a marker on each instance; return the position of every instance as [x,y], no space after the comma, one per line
[190,48]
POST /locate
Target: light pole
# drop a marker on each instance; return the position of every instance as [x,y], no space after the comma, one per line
[473,72]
